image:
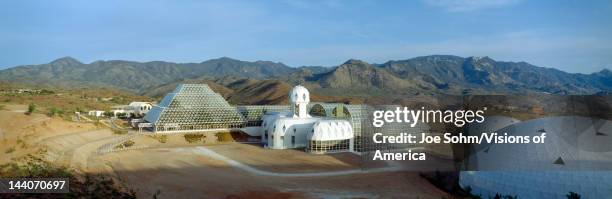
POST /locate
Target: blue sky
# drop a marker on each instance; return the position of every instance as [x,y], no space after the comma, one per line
[574,36]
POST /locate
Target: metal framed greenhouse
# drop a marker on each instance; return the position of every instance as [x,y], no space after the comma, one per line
[193,107]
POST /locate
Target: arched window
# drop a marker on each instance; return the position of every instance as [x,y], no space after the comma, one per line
[341,111]
[318,110]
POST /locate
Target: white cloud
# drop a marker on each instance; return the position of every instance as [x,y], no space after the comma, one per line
[469,5]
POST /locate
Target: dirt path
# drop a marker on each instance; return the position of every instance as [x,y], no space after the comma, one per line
[239,165]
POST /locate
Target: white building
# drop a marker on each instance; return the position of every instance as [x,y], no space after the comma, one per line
[139,109]
[297,129]
[119,110]
[95,113]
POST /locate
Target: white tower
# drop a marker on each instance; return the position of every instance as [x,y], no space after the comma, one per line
[299,97]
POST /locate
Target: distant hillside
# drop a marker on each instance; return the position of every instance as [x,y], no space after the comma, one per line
[136,76]
[247,91]
[457,75]
[427,75]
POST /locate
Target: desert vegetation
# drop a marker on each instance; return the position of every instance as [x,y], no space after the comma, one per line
[232,136]
[62,102]
[87,186]
[160,138]
[125,144]
[193,138]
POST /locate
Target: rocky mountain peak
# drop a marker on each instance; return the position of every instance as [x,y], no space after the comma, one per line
[355,62]
[605,71]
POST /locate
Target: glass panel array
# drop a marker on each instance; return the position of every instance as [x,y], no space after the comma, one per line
[318,146]
[253,114]
[195,107]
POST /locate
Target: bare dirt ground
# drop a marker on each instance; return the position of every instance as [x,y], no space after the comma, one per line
[288,161]
[176,173]
[22,134]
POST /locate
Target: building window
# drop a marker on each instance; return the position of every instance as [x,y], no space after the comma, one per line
[293,140]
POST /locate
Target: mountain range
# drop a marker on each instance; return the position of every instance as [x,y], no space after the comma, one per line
[426,75]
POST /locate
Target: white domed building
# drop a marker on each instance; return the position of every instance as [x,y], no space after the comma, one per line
[298,129]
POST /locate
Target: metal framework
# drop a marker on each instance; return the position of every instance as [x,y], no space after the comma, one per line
[355,113]
[194,107]
[327,146]
[252,115]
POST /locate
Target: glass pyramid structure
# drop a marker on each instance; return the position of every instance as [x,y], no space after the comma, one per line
[194,107]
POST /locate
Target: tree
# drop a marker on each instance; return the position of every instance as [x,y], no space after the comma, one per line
[31,108]
[108,114]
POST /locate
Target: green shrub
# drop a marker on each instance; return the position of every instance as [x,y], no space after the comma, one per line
[108,114]
[128,143]
[122,115]
[193,138]
[31,108]
[125,144]
[53,111]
